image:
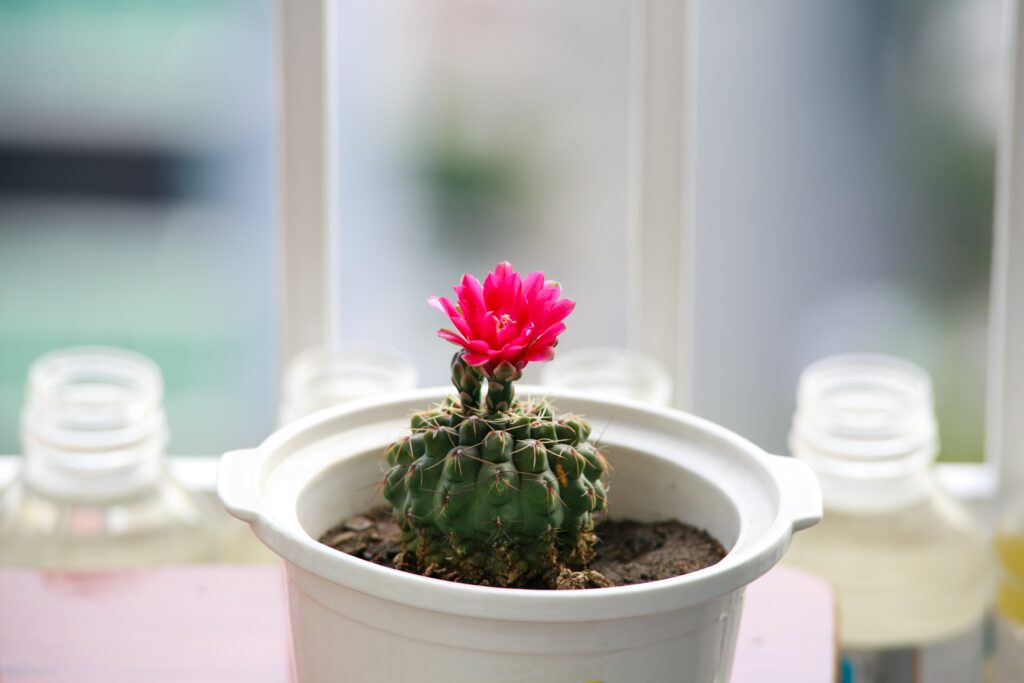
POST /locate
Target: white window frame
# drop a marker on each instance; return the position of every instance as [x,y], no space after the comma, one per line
[1005,402]
[307,174]
[661,227]
[1003,468]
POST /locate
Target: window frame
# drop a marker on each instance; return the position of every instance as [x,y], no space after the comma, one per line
[661,188]
[1004,435]
[307,174]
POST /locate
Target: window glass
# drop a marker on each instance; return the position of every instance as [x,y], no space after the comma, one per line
[135,185]
[845,174]
[475,132]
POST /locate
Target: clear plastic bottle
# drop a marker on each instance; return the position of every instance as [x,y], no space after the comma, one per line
[620,373]
[93,492]
[912,569]
[325,376]
[317,378]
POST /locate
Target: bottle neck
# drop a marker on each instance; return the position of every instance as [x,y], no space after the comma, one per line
[66,471]
[93,425]
[865,424]
[325,376]
[869,487]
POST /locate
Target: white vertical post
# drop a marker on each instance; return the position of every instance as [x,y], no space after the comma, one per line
[1005,428]
[306,174]
[661,249]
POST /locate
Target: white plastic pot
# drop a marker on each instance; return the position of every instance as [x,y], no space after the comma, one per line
[354,621]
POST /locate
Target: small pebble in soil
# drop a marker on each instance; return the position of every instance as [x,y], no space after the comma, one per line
[358,523]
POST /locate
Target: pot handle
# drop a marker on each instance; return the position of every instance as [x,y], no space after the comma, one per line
[799,491]
[237,486]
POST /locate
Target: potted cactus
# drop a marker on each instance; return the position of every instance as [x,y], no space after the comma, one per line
[492,489]
[489,488]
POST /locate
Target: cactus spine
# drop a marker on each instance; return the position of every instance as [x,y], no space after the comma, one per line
[495,491]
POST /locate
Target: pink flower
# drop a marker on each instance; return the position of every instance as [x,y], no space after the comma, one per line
[507,319]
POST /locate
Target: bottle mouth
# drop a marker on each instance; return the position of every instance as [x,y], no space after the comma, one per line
[610,371]
[93,398]
[323,376]
[864,408]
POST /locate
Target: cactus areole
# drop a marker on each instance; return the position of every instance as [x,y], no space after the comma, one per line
[488,488]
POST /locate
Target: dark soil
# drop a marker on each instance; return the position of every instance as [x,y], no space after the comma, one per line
[629,552]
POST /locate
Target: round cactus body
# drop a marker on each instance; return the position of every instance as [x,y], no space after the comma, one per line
[499,491]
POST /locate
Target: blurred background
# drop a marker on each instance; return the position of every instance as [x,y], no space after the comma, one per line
[844,167]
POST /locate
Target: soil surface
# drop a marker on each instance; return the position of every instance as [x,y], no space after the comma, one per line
[629,552]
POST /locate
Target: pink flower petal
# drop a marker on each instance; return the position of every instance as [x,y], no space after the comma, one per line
[448,335]
[474,359]
[502,288]
[512,351]
[539,354]
[471,296]
[548,336]
[532,283]
[435,302]
[478,347]
[442,304]
[559,310]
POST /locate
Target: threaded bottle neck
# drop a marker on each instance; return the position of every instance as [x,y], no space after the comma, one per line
[323,376]
[93,423]
[866,425]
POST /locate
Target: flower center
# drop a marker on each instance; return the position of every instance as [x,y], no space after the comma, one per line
[504,321]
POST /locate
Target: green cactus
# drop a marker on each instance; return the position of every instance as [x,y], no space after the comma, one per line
[497,493]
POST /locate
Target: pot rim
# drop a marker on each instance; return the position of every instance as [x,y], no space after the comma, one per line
[797,497]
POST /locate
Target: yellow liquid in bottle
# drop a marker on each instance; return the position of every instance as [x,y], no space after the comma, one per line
[903,578]
[1010,594]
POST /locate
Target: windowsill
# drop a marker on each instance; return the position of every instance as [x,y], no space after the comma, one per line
[973,482]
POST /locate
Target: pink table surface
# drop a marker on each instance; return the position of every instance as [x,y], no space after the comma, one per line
[222,624]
